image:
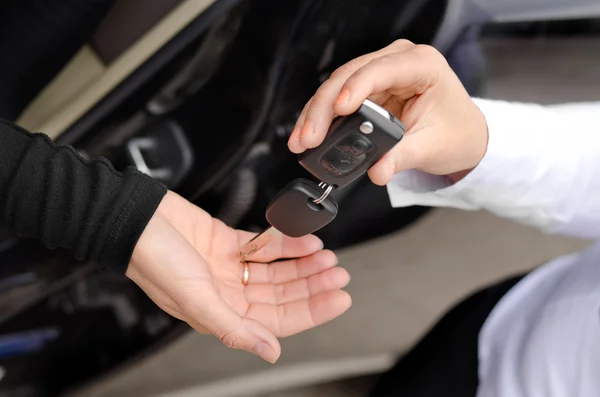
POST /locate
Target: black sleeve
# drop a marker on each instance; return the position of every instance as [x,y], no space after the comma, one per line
[51,193]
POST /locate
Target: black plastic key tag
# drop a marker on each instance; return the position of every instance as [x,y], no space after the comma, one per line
[300,208]
[353,144]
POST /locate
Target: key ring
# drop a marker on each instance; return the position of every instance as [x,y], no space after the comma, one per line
[325,194]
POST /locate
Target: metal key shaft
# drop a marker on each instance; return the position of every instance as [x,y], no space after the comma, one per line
[259,242]
[270,233]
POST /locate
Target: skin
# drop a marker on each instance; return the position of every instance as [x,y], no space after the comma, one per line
[188,263]
[446,132]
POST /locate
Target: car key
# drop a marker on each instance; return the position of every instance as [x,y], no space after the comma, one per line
[353,144]
[300,208]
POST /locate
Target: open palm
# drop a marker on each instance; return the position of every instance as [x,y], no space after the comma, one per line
[188,263]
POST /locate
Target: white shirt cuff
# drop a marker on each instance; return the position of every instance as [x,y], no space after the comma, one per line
[505,180]
[414,187]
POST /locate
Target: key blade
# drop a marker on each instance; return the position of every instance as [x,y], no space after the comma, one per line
[258,242]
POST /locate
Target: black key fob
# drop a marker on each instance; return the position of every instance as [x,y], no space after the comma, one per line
[301,208]
[353,144]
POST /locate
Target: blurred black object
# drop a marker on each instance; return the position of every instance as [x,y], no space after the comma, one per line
[162,151]
[37,39]
[118,30]
[445,361]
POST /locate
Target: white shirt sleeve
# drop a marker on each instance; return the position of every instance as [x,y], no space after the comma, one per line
[541,168]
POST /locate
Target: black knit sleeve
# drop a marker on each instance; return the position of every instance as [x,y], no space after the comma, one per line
[51,193]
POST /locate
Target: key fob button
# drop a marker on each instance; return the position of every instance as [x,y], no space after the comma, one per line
[366,127]
[358,147]
[330,168]
[337,161]
[341,161]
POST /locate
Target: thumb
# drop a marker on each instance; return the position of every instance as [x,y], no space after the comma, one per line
[237,332]
[404,156]
[267,345]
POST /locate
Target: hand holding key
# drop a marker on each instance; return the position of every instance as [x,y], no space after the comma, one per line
[446,132]
[352,145]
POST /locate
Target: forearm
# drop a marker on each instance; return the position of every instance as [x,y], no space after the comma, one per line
[542,168]
[50,193]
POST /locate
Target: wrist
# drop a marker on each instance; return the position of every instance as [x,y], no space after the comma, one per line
[479,147]
[139,251]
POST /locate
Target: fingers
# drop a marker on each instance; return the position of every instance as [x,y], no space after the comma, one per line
[294,142]
[283,247]
[291,291]
[313,123]
[231,329]
[303,293]
[403,74]
[294,317]
[286,271]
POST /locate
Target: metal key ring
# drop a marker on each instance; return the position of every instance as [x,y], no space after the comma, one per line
[325,194]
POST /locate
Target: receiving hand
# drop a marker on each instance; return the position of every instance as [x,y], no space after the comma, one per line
[188,263]
[446,132]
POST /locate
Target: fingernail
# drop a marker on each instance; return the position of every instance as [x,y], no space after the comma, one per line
[264,351]
[295,133]
[296,147]
[343,98]
[294,142]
